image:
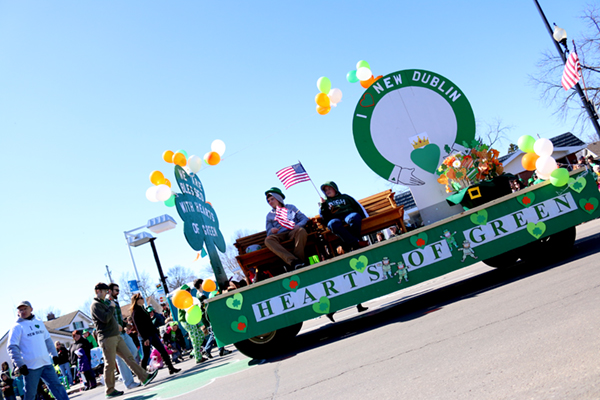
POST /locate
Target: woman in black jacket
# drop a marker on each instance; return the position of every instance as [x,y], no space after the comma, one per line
[148,332]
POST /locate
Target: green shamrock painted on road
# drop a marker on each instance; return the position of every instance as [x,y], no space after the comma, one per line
[200,223]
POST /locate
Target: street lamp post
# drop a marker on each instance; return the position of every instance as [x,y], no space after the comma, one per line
[559,36]
[156,225]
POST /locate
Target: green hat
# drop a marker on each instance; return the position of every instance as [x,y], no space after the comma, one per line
[184,287]
[275,190]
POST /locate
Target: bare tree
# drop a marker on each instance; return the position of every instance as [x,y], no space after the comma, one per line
[550,69]
[146,286]
[87,305]
[494,132]
[179,275]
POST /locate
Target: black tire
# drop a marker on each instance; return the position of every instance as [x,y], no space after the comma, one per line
[550,248]
[270,344]
[504,260]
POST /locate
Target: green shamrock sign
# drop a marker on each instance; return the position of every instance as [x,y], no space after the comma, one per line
[200,223]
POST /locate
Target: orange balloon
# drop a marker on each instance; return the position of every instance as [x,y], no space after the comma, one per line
[213,158]
[528,161]
[378,78]
[156,177]
[323,110]
[366,84]
[209,285]
[323,100]
[179,159]
[167,182]
[182,299]
[168,156]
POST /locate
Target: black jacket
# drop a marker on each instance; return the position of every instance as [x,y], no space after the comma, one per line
[82,343]
[143,322]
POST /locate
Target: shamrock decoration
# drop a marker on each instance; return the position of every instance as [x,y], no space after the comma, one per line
[359,264]
[200,223]
[235,302]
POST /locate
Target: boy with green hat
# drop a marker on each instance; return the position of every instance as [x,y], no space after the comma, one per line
[285,222]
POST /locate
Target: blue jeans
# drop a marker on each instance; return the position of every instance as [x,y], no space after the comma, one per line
[48,375]
[351,235]
[65,369]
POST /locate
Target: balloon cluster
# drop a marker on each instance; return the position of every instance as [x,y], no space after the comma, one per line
[183,300]
[327,96]
[161,191]
[363,74]
[538,157]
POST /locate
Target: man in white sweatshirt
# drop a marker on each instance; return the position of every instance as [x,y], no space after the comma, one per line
[30,348]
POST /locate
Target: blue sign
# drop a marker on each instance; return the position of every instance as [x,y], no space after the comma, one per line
[133,286]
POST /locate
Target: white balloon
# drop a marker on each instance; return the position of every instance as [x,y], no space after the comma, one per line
[335,95]
[187,169]
[363,73]
[218,146]
[543,147]
[542,176]
[163,192]
[545,165]
[195,163]
[151,193]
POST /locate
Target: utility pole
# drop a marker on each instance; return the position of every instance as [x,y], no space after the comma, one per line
[589,107]
[108,273]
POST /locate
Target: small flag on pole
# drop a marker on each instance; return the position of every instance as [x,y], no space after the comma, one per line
[291,175]
[572,72]
[281,217]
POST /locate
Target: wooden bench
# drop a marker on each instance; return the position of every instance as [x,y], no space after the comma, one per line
[383,213]
[263,259]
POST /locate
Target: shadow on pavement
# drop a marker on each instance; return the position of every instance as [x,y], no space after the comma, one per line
[415,307]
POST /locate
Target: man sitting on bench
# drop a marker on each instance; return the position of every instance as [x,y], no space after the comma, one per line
[285,222]
[338,209]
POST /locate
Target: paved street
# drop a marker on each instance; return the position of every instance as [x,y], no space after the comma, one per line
[527,332]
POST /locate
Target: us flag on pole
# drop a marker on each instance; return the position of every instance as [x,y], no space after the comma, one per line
[281,217]
[291,175]
[571,74]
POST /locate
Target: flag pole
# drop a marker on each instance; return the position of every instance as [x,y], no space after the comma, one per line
[311,181]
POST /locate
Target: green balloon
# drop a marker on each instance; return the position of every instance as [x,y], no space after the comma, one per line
[526,143]
[559,177]
[193,315]
[182,152]
[351,76]
[362,63]
[170,202]
[213,294]
[324,84]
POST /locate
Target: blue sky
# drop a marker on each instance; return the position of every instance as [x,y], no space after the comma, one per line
[92,94]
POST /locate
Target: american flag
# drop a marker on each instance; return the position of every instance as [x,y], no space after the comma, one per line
[291,175]
[281,217]
[571,74]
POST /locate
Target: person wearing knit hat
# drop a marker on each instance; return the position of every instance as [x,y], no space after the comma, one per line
[285,222]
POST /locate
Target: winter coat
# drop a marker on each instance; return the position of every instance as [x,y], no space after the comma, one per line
[143,322]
